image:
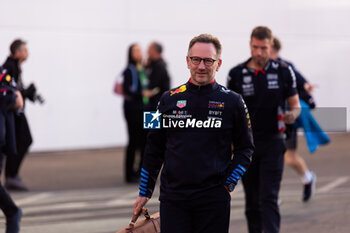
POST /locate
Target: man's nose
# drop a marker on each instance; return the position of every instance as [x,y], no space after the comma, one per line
[259,51]
[201,65]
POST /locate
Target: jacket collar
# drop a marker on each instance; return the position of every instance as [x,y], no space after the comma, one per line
[202,89]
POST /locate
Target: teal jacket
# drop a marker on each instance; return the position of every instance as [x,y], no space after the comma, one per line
[315,136]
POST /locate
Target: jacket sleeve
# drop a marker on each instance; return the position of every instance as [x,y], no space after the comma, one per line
[232,83]
[153,159]
[130,84]
[290,80]
[242,142]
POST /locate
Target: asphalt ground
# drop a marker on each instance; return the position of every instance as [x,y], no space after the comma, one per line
[84,192]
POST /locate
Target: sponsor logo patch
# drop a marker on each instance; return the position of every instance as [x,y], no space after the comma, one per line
[179,90]
[216,104]
[181,103]
[247,79]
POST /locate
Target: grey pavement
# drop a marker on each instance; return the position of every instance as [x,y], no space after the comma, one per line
[84,192]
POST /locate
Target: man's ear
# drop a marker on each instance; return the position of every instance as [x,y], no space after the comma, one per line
[219,65]
[188,60]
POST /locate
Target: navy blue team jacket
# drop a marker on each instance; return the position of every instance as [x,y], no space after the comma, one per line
[7,124]
[194,145]
[265,92]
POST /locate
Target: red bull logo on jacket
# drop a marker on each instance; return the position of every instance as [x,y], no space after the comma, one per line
[179,90]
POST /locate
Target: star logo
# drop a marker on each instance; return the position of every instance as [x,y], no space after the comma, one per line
[151,120]
[155,115]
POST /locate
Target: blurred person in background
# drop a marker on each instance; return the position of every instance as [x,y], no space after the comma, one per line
[158,76]
[19,53]
[10,100]
[266,86]
[135,82]
[292,158]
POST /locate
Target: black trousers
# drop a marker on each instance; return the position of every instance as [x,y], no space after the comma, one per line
[23,141]
[202,215]
[137,142]
[6,203]
[262,184]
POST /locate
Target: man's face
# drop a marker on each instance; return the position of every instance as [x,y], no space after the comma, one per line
[22,53]
[260,51]
[202,74]
[151,52]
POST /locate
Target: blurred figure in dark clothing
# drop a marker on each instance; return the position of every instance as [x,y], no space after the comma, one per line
[291,156]
[134,84]
[10,100]
[19,53]
[159,80]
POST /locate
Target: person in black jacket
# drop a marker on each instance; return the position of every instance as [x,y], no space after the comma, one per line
[265,86]
[19,54]
[159,80]
[292,158]
[201,121]
[10,100]
[134,83]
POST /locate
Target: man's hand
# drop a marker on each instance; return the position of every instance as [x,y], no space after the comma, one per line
[139,204]
[19,100]
[289,117]
[309,88]
[147,93]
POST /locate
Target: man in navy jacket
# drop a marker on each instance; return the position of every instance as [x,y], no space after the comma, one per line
[201,120]
[265,86]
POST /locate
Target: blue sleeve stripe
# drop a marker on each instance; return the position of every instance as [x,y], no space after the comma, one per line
[142,188]
[232,180]
[241,167]
[239,171]
[145,171]
[235,176]
[143,185]
[142,192]
[236,173]
[144,180]
[144,175]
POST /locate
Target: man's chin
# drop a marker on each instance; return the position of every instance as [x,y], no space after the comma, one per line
[202,77]
[202,81]
[260,62]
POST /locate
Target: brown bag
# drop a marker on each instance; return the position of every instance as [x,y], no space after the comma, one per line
[151,224]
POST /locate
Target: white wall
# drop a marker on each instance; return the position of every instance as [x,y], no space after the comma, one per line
[78,47]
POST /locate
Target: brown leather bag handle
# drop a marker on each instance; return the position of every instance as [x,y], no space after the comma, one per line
[143,211]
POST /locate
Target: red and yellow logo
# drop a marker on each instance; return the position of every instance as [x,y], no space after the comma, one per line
[179,90]
[8,78]
[249,122]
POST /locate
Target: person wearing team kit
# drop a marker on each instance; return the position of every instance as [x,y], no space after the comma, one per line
[292,158]
[10,100]
[265,86]
[201,120]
